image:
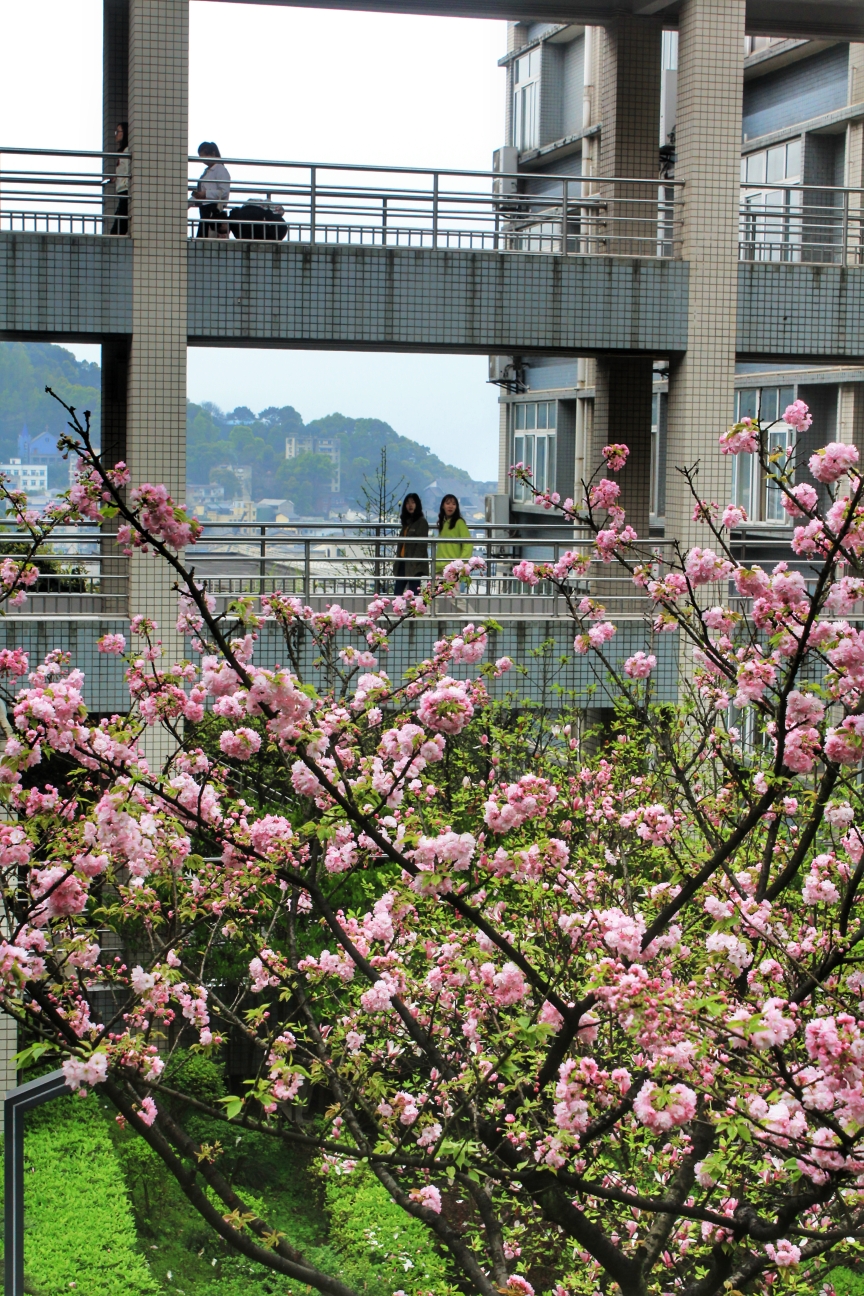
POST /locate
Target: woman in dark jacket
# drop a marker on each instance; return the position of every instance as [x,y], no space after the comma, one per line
[411,556]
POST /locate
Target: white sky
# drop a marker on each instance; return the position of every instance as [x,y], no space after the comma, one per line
[304,85]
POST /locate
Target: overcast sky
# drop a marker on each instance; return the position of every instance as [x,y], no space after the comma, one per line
[304,85]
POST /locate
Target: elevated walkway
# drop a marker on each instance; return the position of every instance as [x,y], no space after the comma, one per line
[73,287]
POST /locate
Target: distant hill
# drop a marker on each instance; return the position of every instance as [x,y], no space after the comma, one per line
[218,442]
[26,368]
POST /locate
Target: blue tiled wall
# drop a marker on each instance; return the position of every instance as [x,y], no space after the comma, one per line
[796,93]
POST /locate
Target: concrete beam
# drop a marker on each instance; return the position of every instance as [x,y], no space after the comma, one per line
[839,19]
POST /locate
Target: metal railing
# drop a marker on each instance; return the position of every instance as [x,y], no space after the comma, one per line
[802,224]
[73,191]
[83,574]
[350,564]
[376,206]
[73,194]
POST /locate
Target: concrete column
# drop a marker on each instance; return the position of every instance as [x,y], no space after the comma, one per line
[855,157]
[708,143]
[115,68]
[156,403]
[850,416]
[629,59]
[156,409]
[622,413]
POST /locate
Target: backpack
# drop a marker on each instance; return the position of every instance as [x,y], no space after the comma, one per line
[252,221]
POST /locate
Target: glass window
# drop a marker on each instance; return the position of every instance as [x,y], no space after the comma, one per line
[752,489]
[768,410]
[756,168]
[537,452]
[793,160]
[540,463]
[775,171]
[526,101]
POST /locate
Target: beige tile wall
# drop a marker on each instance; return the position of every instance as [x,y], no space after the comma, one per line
[701,386]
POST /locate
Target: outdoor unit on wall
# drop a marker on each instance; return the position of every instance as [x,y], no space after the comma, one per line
[506,371]
[497,510]
[505,161]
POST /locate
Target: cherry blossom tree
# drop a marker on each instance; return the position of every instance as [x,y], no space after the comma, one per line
[611,1005]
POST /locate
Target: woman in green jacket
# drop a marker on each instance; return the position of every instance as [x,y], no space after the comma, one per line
[455,540]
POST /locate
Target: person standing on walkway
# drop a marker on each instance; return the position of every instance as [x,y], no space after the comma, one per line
[211,194]
[455,539]
[411,556]
[121,180]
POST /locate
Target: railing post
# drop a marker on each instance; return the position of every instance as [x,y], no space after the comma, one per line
[435,210]
[845,230]
[383,222]
[262,562]
[17,1102]
[565,208]
[313,172]
[307,568]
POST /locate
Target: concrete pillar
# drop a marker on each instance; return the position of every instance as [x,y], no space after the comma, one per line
[850,416]
[708,143]
[629,59]
[156,404]
[115,68]
[622,413]
[855,157]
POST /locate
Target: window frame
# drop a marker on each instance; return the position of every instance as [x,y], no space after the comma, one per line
[525,439]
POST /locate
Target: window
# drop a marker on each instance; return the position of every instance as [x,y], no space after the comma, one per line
[771,219]
[526,101]
[751,490]
[657,505]
[534,437]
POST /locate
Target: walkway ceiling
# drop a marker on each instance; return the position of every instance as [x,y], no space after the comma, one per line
[840,19]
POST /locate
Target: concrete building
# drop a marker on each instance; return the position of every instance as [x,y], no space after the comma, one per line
[309,443]
[32,478]
[802,127]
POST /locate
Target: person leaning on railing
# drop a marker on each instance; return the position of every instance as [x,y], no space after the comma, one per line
[211,194]
[411,563]
[121,180]
[455,538]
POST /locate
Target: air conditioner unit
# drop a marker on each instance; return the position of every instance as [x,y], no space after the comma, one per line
[498,510]
[505,161]
[501,368]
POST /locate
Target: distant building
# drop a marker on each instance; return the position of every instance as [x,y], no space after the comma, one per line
[308,443]
[32,478]
[41,449]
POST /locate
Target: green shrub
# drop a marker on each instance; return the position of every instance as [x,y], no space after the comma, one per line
[385,1250]
[79,1231]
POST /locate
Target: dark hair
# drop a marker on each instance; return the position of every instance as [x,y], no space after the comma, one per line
[124,126]
[208,149]
[405,516]
[442,516]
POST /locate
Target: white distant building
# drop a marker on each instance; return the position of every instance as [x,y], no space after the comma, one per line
[32,478]
[307,443]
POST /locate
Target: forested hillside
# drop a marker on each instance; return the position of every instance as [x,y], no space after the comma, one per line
[218,442]
[26,368]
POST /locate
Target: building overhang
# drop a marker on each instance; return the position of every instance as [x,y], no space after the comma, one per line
[814,19]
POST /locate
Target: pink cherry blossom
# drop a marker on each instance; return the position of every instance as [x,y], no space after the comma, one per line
[832,461]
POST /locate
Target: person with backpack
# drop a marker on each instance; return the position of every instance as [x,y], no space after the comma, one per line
[210,195]
[411,556]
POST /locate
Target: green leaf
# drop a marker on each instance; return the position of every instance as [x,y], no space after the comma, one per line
[32,1054]
[233,1105]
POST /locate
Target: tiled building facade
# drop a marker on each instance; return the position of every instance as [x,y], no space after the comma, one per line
[583,101]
